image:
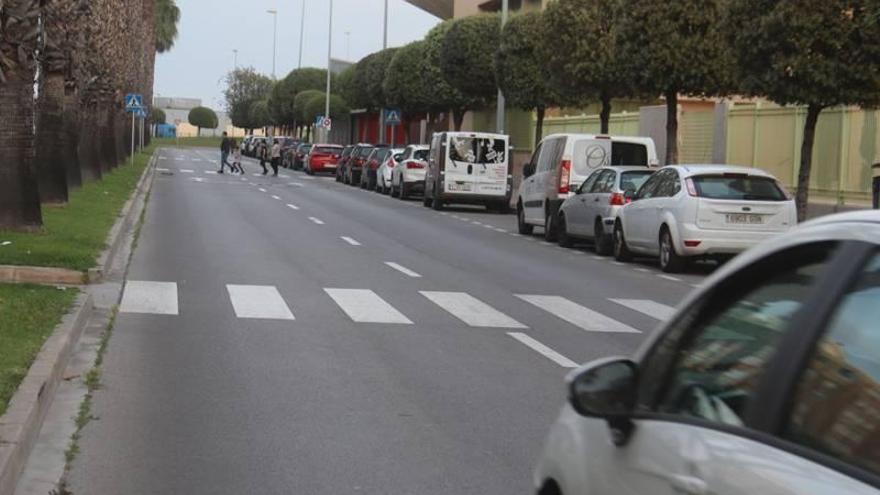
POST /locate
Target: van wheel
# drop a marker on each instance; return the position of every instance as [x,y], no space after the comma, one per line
[670,261]
[564,239]
[549,228]
[521,225]
[602,242]
[426,200]
[621,251]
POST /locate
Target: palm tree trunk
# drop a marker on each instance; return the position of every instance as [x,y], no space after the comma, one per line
[19,194]
[50,146]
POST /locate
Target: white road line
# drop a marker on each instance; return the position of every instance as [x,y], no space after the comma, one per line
[577,315]
[284,176]
[471,310]
[276,197]
[365,306]
[543,350]
[402,269]
[211,172]
[653,309]
[598,258]
[502,231]
[292,206]
[298,184]
[262,190]
[178,159]
[487,226]
[195,159]
[258,301]
[443,213]
[163,157]
[547,243]
[158,169]
[149,297]
[643,270]
[617,263]
[308,178]
[350,241]
[670,277]
[186,171]
[477,223]
[316,221]
[696,286]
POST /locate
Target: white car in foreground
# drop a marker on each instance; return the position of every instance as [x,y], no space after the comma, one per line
[691,211]
[409,177]
[766,381]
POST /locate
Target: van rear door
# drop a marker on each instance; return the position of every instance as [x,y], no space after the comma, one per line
[476,165]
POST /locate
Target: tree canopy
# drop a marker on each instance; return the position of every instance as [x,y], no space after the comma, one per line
[402,86]
[203,118]
[157,115]
[467,55]
[285,90]
[315,107]
[244,87]
[344,85]
[443,95]
[375,77]
[167,17]
[259,115]
[359,89]
[301,102]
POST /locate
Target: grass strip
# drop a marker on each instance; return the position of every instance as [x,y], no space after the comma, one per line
[73,235]
[28,315]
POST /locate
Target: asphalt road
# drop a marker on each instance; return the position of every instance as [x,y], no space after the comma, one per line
[294,335]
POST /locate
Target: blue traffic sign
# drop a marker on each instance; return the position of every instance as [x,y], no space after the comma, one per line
[141,113]
[319,120]
[133,101]
[392,116]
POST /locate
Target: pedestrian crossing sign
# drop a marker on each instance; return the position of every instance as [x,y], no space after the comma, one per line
[392,116]
[133,102]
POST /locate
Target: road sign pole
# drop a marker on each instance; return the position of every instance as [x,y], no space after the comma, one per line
[393,128]
[132,138]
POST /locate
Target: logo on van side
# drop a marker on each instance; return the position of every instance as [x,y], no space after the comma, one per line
[597,156]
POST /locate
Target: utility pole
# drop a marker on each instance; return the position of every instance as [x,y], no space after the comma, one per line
[302,27]
[274,37]
[384,46]
[499,116]
[329,56]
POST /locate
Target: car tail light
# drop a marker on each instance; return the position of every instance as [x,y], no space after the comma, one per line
[618,199]
[565,177]
[412,165]
[692,243]
[692,189]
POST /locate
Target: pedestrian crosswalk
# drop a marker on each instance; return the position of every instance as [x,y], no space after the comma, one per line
[367,306]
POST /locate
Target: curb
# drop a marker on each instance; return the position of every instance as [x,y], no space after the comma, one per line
[61,276]
[20,425]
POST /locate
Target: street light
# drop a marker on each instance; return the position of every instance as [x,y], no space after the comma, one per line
[347,45]
[499,115]
[329,56]
[235,59]
[274,37]
[302,28]
[384,46]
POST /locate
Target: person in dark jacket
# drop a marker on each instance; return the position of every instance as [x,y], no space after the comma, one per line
[263,154]
[225,149]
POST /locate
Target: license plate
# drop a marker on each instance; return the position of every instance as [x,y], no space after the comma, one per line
[460,186]
[744,218]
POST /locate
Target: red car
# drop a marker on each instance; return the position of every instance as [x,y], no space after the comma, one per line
[323,158]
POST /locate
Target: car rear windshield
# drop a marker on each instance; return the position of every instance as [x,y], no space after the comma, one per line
[421,154]
[327,149]
[629,154]
[381,155]
[632,181]
[365,152]
[738,187]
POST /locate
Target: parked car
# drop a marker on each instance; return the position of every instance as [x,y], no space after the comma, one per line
[371,166]
[383,174]
[559,165]
[409,176]
[242,146]
[323,158]
[343,159]
[287,145]
[299,155]
[254,144]
[592,211]
[688,211]
[468,168]
[355,164]
[765,381]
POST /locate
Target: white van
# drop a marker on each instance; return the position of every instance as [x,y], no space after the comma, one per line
[468,168]
[560,164]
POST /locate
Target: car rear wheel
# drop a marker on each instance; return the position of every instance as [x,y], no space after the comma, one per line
[521,226]
[562,233]
[437,204]
[621,251]
[549,228]
[602,242]
[670,261]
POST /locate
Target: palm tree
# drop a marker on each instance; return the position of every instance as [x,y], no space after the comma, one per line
[19,197]
[167,17]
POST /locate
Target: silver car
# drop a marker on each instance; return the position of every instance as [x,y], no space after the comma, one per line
[765,381]
[590,213]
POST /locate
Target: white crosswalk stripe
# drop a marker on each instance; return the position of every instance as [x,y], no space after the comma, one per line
[149,297]
[577,315]
[653,309]
[543,350]
[402,269]
[258,301]
[471,310]
[365,306]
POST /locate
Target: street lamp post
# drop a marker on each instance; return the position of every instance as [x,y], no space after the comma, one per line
[499,115]
[329,56]
[274,37]
[302,27]
[384,46]
[235,59]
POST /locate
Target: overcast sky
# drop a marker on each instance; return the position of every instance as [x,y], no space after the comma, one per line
[211,29]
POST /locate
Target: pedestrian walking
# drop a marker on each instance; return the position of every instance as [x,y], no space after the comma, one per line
[263,153]
[225,148]
[276,157]
[875,186]
[236,160]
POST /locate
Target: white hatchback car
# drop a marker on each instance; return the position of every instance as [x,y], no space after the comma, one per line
[409,177]
[690,211]
[383,173]
[765,382]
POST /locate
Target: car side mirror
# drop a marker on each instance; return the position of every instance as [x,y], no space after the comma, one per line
[528,170]
[606,388]
[629,195]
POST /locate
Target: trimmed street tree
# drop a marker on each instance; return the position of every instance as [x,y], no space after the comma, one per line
[299,109]
[285,90]
[315,107]
[817,53]
[519,68]
[375,77]
[360,95]
[157,117]
[402,87]
[345,84]
[671,48]
[243,88]
[202,117]
[467,55]
[259,114]
[444,96]
[578,47]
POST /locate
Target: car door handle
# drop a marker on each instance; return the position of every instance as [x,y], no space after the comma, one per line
[596,200]
[688,485]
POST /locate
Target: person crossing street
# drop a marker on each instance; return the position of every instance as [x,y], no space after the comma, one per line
[225,149]
[276,157]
